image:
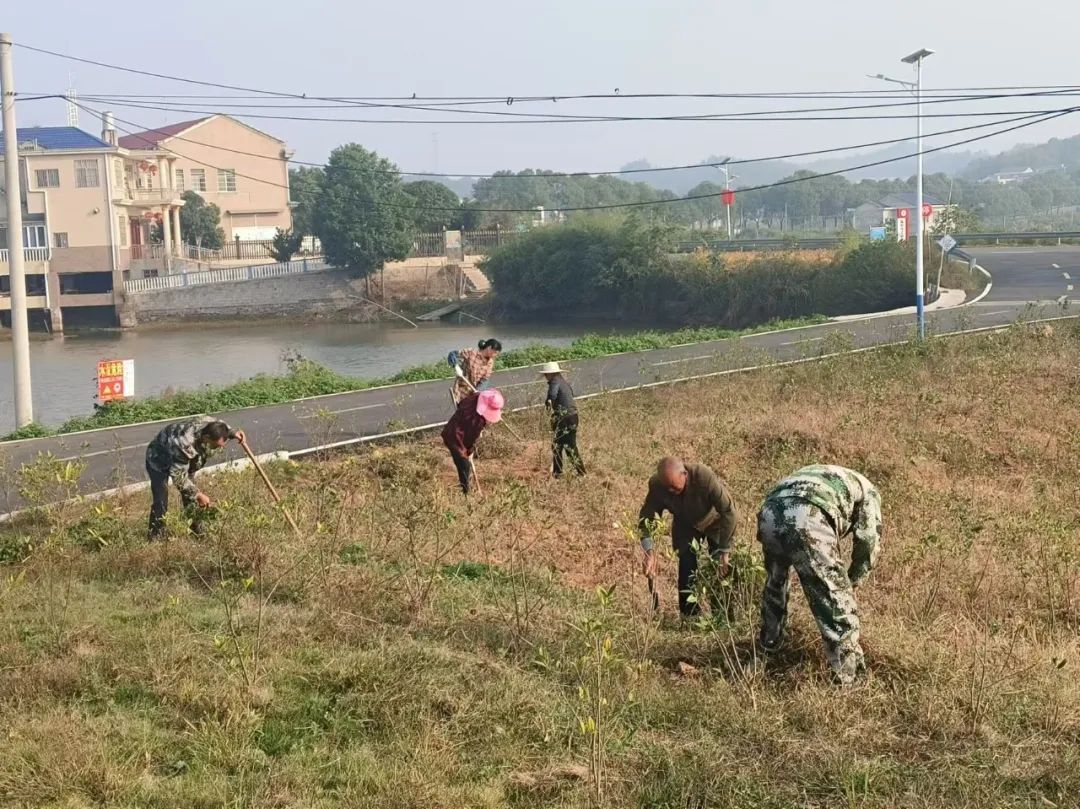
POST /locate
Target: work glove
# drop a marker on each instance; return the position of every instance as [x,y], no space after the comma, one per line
[452,359]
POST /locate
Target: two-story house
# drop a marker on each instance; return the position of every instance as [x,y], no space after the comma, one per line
[91,206]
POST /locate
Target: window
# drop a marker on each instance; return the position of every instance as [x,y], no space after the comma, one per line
[226,180]
[33,236]
[198,179]
[118,173]
[47,178]
[123,224]
[180,181]
[60,240]
[86,174]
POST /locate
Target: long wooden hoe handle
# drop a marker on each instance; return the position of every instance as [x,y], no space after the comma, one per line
[270,486]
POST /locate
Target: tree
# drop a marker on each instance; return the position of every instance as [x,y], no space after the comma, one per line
[362,218]
[305,186]
[200,222]
[286,244]
[437,207]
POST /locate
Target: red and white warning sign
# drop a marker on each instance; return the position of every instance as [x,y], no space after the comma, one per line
[116,380]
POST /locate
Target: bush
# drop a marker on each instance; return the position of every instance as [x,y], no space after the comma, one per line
[627,270]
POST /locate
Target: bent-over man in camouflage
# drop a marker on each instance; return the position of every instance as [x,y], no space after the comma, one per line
[702,509]
[177,453]
[800,525]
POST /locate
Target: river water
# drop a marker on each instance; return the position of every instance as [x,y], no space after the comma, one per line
[65,368]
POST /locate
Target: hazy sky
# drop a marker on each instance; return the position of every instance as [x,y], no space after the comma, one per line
[483,48]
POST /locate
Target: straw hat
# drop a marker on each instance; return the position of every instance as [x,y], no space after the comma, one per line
[489,405]
[550,368]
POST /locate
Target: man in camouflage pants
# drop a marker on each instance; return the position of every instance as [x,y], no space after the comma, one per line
[176,454]
[800,525]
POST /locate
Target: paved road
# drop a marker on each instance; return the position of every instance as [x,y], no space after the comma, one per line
[114,456]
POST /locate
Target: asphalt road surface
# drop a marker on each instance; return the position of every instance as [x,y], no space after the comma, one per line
[1027,284]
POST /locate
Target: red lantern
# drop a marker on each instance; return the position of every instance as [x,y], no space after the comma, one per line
[727,196]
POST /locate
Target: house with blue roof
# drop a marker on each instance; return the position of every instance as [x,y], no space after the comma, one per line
[99,211]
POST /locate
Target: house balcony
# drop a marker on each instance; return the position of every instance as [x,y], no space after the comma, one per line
[35,260]
[147,197]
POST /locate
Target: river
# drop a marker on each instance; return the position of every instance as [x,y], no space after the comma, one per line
[65,368]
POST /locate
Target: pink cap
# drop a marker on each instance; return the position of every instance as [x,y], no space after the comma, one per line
[489,404]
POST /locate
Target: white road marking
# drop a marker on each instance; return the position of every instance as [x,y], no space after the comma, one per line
[345,410]
[1069,288]
[1056,266]
[988,314]
[1062,300]
[799,342]
[101,452]
[686,359]
[1066,276]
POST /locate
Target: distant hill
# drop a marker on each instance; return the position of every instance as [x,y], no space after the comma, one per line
[1055,152]
[682,180]
[944,162]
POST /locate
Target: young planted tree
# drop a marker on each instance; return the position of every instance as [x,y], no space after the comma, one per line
[362,218]
[286,244]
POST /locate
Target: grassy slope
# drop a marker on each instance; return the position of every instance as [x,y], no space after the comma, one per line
[390,674]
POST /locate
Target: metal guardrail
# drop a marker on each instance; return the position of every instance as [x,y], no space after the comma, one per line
[1034,235]
[222,276]
[735,245]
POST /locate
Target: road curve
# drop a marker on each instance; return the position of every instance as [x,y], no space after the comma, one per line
[1027,284]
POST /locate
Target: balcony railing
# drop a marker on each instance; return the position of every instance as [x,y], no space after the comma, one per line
[147,196]
[29,254]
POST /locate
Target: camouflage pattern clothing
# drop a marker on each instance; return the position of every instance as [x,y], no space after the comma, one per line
[800,525]
[177,452]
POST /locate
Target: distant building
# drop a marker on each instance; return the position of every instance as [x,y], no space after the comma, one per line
[90,204]
[897,211]
[1019,175]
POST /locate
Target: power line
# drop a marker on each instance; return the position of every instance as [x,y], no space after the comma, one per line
[638,204]
[715,118]
[483,175]
[543,117]
[561,119]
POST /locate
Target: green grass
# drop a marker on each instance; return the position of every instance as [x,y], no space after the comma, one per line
[413,650]
[306,378]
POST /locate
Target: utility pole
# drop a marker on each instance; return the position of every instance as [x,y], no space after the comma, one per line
[20,330]
[727,187]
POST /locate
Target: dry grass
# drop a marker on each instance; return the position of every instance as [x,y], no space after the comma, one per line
[417,650]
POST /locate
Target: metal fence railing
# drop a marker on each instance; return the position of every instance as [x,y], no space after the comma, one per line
[223,275]
[29,254]
[473,242]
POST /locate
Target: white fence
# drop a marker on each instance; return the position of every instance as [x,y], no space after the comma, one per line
[225,275]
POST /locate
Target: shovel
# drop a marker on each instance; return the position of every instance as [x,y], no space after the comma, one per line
[270,486]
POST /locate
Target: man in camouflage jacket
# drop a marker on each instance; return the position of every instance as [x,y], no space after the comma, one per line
[177,453]
[800,525]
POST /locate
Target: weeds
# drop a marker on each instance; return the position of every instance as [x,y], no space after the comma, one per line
[416,648]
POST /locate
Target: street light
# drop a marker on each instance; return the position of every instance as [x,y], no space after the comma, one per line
[916,59]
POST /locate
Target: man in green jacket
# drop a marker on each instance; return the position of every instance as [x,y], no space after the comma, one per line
[702,509]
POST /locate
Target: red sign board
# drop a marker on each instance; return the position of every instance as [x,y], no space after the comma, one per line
[927,209]
[727,196]
[116,380]
[902,213]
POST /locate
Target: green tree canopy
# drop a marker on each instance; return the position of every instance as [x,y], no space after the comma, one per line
[362,218]
[200,222]
[305,186]
[437,206]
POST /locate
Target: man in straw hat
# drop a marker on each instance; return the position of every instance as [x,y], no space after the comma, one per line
[564,420]
[473,414]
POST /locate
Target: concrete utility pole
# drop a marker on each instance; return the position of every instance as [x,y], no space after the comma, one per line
[20,330]
[727,187]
